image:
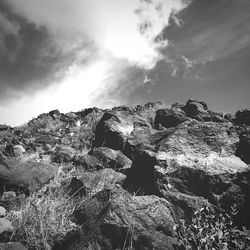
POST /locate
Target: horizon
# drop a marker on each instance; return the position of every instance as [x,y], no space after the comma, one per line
[75,55]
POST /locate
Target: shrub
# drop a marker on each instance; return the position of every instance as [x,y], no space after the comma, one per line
[211,229]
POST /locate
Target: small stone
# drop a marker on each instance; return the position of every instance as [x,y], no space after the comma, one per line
[5,225]
[2,211]
[8,195]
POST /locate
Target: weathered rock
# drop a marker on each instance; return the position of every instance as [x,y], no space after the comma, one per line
[64,154]
[12,246]
[46,139]
[22,175]
[88,162]
[115,128]
[190,165]
[111,158]
[197,110]
[242,117]
[114,219]
[55,114]
[4,127]
[89,183]
[169,117]
[2,211]
[18,150]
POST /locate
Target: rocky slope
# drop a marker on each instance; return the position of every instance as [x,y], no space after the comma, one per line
[135,174]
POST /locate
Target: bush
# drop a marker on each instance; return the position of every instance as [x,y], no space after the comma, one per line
[211,229]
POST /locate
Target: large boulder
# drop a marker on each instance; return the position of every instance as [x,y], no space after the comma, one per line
[197,110]
[191,165]
[169,117]
[25,175]
[114,219]
[115,127]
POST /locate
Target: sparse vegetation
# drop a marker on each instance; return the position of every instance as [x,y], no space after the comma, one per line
[44,217]
[211,229]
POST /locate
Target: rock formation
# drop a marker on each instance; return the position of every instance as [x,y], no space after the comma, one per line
[136,172]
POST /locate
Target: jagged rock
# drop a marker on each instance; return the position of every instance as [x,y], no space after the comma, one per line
[197,110]
[87,162]
[242,117]
[12,246]
[111,158]
[88,183]
[115,128]
[18,150]
[64,154]
[55,114]
[4,127]
[169,117]
[191,164]
[46,139]
[24,175]
[114,219]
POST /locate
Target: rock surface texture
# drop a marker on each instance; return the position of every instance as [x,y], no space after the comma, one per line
[135,172]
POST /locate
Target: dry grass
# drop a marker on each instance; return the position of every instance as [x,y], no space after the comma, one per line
[44,217]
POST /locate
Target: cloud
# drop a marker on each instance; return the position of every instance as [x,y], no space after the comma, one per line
[8,31]
[105,45]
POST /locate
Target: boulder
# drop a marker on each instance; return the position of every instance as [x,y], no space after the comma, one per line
[197,110]
[242,117]
[12,246]
[2,211]
[111,158]
[64,154]
[24,175]
[6,229]
[191,165]
[87,162]
[169,117]
[46,139]
[114,219]
[4,127]
[115,127]
[18,150]
[89,183]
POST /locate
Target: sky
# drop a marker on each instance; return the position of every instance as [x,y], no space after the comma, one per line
[71,55]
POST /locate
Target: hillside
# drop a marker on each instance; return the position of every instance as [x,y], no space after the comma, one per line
[146,177]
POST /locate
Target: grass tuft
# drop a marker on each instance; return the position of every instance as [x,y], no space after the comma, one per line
[43,218]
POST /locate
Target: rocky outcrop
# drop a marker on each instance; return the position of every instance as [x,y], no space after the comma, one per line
[137,170]
[114,219]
